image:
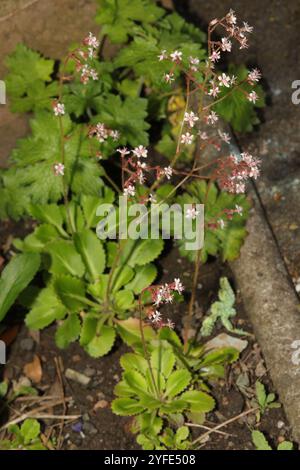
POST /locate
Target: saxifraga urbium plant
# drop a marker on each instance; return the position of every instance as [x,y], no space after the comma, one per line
[95,110]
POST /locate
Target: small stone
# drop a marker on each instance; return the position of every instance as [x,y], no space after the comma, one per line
[76,358]
[100,405]
[116,377]
[86,417]
[89,372]
[27,344]
[77,377]
[100,395]
[280,424]
[280,439]
[90,429]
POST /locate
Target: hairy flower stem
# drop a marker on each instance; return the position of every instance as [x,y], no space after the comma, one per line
[62,150]
[146,353]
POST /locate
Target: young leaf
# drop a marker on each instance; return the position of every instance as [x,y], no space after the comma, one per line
[136,382]
[102,342]
[177,382]
[285,445]
[30,430]
[198,401]
[68,331]
[144,277]
[145,251]
[163,359]
[71,292]
[15,278]
[65,259]
[91,249]
[260,441]
[126,407]
[124,300]
[130,332]
[45,309]
[133,361]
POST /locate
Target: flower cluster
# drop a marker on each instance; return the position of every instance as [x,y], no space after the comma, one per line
[84,56]
[163,294]
[101,132]
[233,172]
[134,165]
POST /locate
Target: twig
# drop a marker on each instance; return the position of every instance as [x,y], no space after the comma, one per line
[59,367]
[38,416]
[202,426]
[229,421]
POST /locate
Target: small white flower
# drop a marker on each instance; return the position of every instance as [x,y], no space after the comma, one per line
[191,118]
[224,80]
[215,90]
[253,97]
[226,45]
[176,56]
[203,135]
[178,285]
[215,56]
[59,169]
[224,136]
[231,17]
[92,41]
[212,117]
[239,210]
[163,55]
[247,28]
[244,43]
[115,135]
[194,62]
[221,223]
[187,138]
[129,191]
[156,317]
[170,324]
[191,213]
[254,76]
[168,172]
[59,109]
[169,77]
[140,151]
[123,152]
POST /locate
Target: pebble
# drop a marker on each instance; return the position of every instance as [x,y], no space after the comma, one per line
[86,417]
[89,372]
[90,429]
[77,377]
[280,424]
[27,344]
